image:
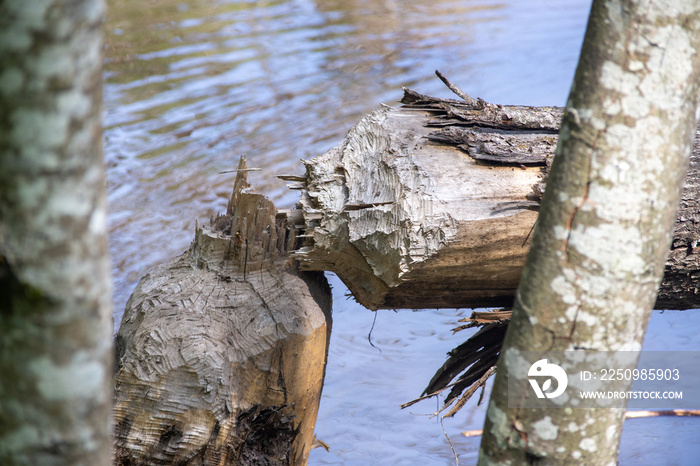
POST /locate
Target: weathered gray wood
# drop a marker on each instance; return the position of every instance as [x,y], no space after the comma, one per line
[432,205]
[406,222]
[221,351]
[485,114]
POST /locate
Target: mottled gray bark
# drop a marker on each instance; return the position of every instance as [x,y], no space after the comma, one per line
[598,251]
[55,295]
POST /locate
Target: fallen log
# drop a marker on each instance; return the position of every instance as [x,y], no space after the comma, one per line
[431,205]
[221,352]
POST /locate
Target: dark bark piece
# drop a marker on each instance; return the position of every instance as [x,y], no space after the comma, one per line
[486,114]
[480,352]
[222,350]
[500,146]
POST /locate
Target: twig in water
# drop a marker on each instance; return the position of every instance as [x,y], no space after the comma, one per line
[318,443]
[241,170]
[628,415]
[450,442]
[369,335]
[670,412]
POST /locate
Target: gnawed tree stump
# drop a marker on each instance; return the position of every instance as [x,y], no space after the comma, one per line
[222,351]
[432,205]
[407,223]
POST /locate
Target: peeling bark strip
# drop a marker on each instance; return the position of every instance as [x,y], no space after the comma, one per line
[484,114]
[222,350]
[433,205]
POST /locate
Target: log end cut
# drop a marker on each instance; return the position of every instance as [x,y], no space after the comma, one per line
[409,221]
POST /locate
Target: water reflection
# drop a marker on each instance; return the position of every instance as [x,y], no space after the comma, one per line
[191,84]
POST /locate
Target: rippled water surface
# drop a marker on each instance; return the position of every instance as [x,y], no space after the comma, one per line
[192,84]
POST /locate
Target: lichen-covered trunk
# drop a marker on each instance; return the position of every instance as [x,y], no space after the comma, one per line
[605,224]
[55,295]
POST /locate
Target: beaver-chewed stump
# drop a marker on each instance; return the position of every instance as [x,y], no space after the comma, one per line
[432,205]
[222,351]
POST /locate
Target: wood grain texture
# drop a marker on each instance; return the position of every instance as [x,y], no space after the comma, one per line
[432,205]
[407,222]
[221,351]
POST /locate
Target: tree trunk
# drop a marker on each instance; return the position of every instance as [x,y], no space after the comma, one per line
[55,292]
[433,205]
[222,351]
[606,221]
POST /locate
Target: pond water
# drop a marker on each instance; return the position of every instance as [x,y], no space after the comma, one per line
[191,85]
